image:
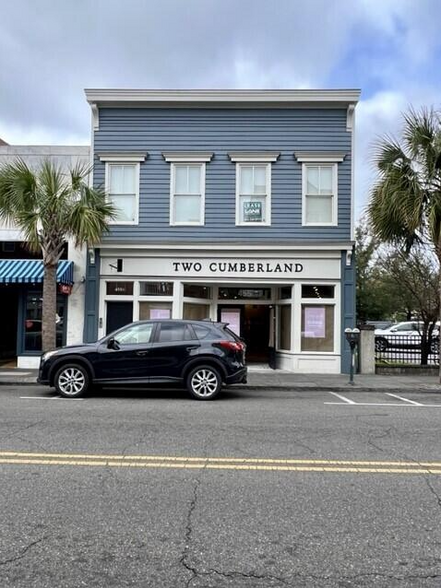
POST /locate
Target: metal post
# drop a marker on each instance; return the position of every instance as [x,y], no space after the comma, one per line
[352,337]
[351,371]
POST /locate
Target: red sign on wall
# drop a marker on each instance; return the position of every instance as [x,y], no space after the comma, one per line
[65,289]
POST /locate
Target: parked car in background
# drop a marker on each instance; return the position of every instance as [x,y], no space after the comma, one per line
[202,355]
[405,335]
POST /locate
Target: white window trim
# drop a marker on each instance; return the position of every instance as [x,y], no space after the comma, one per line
[187,156]
[254,157]
[334,166]
[117,162]
[267,221]
[201,221]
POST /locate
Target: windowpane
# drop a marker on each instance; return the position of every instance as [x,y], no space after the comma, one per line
[326,180]
[187,209]
[119,288]
[317,328]
[285,292]
[260,179]
[135,334]
[129,184]
[317,291]
[312,180]
[181,179]
[154,310]
[252,209]
[122,179]
[246,179]
[319,209]
[156,289]
[116,179]
[196,291]
[285,327]
[194,179]
[125,205]
[172,332]
[196,312]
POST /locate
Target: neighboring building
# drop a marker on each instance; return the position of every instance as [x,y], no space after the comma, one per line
[21,273]
[235,205]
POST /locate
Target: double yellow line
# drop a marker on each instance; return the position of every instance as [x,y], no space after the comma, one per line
[219,463]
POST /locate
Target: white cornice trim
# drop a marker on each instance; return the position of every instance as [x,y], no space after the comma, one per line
[187,156]
[123,156]
[268,98]
[319,156]
[263,247]
[254,156]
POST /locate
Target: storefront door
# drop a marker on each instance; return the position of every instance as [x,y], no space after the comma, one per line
[254,321]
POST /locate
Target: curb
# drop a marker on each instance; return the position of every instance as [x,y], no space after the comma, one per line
[287,387]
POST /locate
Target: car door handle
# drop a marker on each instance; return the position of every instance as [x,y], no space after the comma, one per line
[141,353]
[191,347]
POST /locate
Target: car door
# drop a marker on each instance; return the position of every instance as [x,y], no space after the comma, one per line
[124,356]
[175,342]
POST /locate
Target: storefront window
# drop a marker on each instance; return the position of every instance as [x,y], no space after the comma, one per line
[196,291]
[119,288]
[155,310]
[156,289]
[33,322]
[285,327]
[285,292]
[196,312]
[317,327]
[245,293]
[317,291]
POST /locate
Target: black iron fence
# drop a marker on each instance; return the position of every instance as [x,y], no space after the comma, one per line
[406,350]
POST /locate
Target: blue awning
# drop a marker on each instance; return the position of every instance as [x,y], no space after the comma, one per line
[30,271]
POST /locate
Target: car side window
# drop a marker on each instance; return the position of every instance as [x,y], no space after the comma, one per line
[203,332]
[135,334]
[173,332]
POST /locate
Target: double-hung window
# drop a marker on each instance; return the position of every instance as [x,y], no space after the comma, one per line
[319,187]
[187,187]
[319,194]
[122,185]
[187,197]
[253,187]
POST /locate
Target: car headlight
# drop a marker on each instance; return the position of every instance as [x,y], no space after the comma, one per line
[48,354]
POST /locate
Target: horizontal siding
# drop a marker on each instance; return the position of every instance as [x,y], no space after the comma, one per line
[221,131]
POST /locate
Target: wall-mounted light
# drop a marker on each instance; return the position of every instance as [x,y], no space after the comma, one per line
[91,253]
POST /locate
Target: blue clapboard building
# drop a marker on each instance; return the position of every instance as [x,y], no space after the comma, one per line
[233,205]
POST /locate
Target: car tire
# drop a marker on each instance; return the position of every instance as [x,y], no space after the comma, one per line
[381,345]
[72,380]
[204,382]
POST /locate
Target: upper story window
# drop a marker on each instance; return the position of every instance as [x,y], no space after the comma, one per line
[187,187]
[319,187]
[188,194]
[122,184]
[253,187]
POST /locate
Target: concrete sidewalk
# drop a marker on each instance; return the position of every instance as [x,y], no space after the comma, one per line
[282,380]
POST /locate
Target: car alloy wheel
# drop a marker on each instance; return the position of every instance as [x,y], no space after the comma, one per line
[71,381]
[380,345]
[204,383]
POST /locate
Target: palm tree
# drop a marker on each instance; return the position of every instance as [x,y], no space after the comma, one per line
[405,203]
[50,206]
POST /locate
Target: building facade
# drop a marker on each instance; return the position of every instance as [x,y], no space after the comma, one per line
[21,272]
[234,206]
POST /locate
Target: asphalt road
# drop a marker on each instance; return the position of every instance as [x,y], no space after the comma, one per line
[258,489]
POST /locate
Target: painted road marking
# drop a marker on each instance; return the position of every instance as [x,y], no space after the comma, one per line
[219,463]
[404,399]
[406,402]
[346,400]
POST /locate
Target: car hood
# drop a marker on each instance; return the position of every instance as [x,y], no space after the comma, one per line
[75,348]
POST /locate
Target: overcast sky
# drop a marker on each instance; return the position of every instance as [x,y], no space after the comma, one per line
[50,50]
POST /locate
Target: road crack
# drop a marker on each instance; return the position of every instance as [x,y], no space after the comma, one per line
[23,552]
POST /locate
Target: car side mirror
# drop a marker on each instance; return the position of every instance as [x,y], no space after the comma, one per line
[112,343]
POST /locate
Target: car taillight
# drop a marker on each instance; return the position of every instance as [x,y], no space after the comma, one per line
[232,345]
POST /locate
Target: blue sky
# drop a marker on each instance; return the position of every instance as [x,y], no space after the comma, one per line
[51,50]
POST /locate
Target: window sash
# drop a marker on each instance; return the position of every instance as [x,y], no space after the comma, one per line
[325,195]
[195,193]
[249,193]
[123,192]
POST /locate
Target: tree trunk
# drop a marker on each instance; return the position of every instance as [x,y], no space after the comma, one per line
[49,307]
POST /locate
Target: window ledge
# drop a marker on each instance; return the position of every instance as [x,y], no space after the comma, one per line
[187,156]
[254,156]
[123,156]
[319,156]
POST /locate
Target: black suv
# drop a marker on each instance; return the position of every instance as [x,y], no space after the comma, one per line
[200,354]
